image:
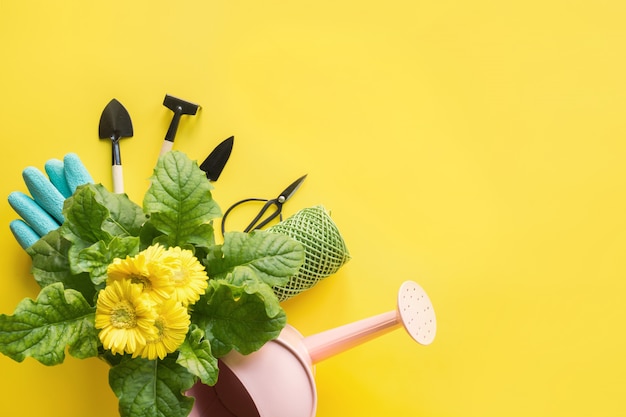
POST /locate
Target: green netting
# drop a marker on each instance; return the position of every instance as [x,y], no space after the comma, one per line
[324,249]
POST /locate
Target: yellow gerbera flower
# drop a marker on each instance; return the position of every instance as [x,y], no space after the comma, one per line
[188,275]
[148,268]
[171,326]
[126,316]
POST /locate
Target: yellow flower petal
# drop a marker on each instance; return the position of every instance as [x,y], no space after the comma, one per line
[149,269]
[188,275]
[125,316]
[171,326]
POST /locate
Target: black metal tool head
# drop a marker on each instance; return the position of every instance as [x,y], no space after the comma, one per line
[178,105]
[289,191]
[115,122]
[216,161]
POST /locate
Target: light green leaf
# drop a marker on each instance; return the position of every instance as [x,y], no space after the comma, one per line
[250,283]
[154,388]
[272,256]
[234,319]
[203,237]
[96,258]
[179,201]
[42,329]
[195,355]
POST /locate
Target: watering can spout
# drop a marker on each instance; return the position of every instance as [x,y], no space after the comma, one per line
[323,345]
[414,312]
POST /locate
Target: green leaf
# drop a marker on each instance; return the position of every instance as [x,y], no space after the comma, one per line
[50,264]
[99,227]
[195,355]
[42,329]
[93,214]
[49,256]
[84,217]
[234,319]
[251,284]
[151,388]
[148,235]
[179,202]
[274,257]
[96,258]
[203,237]
[125,218]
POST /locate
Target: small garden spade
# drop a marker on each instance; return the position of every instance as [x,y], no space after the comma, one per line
[115,124]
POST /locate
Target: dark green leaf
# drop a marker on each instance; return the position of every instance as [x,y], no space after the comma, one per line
[148,235]
[84,217]
[50,264]
[234,319]
[151,388]
[125,218]
[94,214]
[44,328]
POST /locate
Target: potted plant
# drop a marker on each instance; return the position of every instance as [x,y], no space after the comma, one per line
[149,290]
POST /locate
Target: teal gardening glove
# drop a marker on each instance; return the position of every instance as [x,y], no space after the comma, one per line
[43,212]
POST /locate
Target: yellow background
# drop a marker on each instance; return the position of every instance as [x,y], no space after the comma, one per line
[476,147]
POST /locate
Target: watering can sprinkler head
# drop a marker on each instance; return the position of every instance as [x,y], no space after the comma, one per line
[277,380]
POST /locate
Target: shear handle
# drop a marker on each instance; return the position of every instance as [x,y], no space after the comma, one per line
[253,224]
[266,206]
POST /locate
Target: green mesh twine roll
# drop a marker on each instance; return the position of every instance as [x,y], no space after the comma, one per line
[324,249]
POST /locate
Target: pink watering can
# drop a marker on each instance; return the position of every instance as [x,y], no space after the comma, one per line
[277,380]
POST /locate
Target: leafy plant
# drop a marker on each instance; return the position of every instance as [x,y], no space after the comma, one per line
[237,309]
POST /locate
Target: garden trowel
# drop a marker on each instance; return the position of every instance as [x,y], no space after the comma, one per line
[215,162]
[115,124]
